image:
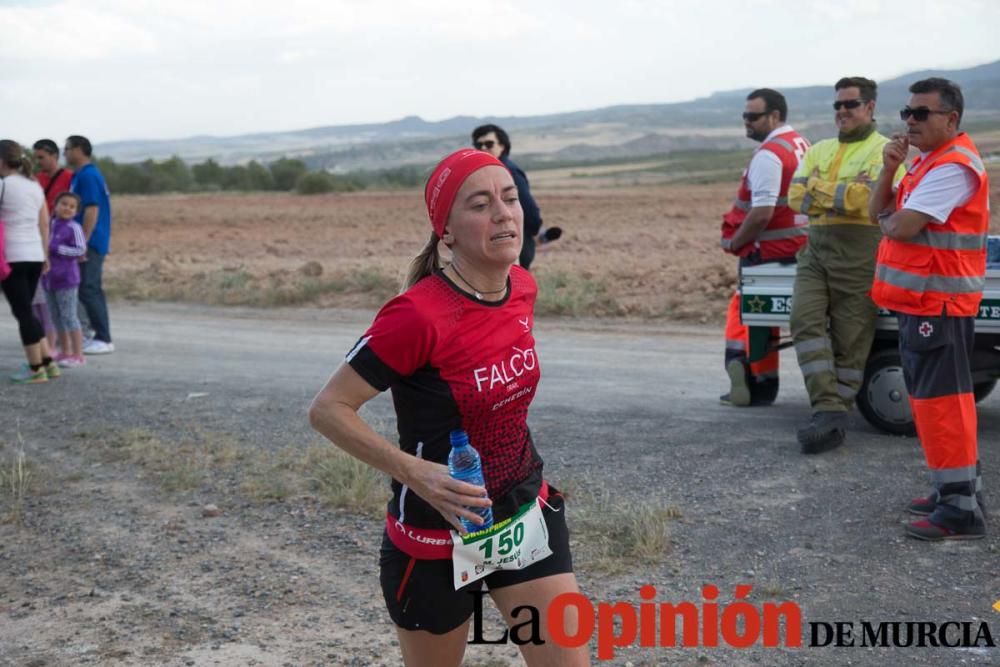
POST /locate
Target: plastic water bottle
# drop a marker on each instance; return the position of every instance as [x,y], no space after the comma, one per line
[464,465]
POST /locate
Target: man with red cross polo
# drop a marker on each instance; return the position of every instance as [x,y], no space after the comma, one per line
[760,227]
[931,271]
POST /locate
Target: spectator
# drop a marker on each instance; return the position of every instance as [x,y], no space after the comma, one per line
[66,246]
[26,236]
[493,140]
[54,179]
[95,218]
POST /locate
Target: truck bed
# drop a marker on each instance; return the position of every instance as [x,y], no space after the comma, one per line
[766,299]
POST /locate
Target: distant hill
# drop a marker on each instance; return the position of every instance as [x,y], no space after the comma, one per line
[622,131]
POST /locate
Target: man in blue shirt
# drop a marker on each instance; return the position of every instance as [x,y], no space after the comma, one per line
[95,218]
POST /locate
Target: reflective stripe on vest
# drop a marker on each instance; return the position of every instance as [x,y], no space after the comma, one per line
[950,240]
[930,283]
[976,163]
[784,144]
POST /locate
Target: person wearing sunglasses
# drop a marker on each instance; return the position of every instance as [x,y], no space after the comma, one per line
[833,318]
[760,227]
[931,271]
[494,140]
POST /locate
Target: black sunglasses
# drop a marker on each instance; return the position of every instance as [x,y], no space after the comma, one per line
[484,145]
[920,114]
[754,116]
[847,104]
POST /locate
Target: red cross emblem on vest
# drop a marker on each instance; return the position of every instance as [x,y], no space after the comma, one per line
[926,329]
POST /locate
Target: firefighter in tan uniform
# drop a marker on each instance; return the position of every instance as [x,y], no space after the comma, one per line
[833,318]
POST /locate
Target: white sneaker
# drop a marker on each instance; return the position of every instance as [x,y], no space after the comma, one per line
[98,347]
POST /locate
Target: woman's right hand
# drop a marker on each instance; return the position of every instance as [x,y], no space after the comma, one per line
[450,497]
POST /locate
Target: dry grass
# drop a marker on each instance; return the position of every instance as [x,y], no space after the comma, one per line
[319,470]
[175,466]
[560,293]
[237,286]
[271,476]
[18,478]
[342,481]
[615,537]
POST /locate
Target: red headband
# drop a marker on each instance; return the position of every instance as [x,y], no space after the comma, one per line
[447,178]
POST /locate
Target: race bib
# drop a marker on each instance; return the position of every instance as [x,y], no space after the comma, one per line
[512,544]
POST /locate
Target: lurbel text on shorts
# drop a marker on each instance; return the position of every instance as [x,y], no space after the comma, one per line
[422,539]
[505,372]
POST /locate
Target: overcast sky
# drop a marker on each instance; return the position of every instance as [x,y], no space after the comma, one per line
[120,69]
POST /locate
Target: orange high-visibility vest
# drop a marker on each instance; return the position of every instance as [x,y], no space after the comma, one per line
[787,231]
[942,270]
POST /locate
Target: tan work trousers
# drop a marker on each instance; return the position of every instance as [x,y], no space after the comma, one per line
[833,318]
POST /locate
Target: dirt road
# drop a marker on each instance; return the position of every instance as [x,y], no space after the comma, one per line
[104,563]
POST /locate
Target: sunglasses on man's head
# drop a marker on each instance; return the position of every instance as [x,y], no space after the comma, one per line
[754,116]
[920,114]
[847,104]
[484,145]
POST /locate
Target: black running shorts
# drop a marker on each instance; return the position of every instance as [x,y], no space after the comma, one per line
[425,597]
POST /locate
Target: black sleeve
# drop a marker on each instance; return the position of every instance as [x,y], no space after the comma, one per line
[373,370]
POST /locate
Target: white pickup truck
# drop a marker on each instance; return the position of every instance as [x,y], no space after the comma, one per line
[766,301]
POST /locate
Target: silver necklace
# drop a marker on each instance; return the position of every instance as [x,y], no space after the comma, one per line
[478,292]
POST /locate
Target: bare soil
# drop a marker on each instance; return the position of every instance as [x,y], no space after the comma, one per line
[640,252]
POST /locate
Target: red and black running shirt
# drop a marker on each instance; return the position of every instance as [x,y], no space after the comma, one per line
[452,361]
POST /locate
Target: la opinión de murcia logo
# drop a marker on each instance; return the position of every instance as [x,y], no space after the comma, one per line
[738,624]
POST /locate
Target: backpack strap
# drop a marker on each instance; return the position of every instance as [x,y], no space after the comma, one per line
[52,181]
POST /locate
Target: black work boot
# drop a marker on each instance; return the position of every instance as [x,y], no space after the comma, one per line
[926,505]
[825,431]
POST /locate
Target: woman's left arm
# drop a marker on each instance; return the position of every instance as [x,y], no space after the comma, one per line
[43,229]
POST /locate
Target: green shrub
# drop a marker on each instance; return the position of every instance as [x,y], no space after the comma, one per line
[314,183]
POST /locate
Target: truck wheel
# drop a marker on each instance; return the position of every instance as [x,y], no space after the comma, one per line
[983,389]
[883,399]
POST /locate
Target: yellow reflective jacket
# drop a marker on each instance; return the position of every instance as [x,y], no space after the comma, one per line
[833,182]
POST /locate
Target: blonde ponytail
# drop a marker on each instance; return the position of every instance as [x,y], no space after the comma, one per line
[14,157]
[424,264]
[26,169]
